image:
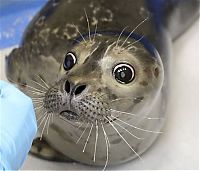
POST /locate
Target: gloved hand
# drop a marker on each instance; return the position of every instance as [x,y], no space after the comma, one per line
[17,126]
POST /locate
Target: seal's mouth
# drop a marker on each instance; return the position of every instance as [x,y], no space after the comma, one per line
[69,115]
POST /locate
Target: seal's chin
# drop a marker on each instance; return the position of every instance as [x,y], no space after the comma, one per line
[69,115]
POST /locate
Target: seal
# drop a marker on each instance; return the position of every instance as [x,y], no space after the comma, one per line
[96,78]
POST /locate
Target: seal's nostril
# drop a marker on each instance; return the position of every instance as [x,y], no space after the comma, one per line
[79,89]
[67,86]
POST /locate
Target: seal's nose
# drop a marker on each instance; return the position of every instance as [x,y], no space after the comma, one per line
[67,86]
[79,89]
[74,89]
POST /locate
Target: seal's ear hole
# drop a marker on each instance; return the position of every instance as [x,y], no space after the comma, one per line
[70,61]
[124,73]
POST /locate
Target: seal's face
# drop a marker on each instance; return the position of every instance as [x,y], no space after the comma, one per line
[102,76]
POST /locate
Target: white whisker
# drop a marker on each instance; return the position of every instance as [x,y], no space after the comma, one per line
[121,99]
[43,81]
[40,85]
[35,98]
[123,112]
[127,130]
[96,139]
[82,133]
[36,108]
[79,33]
[44,127]
[88,23]
[37,90]
[42,120]
[135,115]
[127,47]
[124,139]
[145,130]
[50,115]
[134,30]
[86,142]
[153,118]
[37,102]
[95,32]
[42,115]
[107,146]
[120,36]
[80,125]
[41,109]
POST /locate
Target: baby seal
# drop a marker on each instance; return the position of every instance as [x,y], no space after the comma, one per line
[99,91]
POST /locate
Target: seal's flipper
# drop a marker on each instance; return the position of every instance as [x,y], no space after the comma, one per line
[41,149]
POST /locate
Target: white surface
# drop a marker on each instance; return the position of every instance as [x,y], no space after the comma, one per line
[177,147]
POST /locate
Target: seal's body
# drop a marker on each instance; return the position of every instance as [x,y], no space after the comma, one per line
[97,69]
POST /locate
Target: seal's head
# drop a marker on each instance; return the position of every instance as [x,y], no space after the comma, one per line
[103,75]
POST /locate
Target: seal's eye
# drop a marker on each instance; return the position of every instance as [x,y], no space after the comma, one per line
[70,61]
[124,73]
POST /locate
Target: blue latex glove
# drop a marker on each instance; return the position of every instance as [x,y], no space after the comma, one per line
[17,126]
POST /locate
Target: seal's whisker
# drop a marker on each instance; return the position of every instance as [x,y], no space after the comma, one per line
[33,88]
[135,115]
[44,127]
[127,47]
[88,23]
[79,33]
[36,108]
[45,115]
[38,97]
[124,139]
[145,130]
[120,36]
[43,81]
[96,139]
[86,142]
[41,116]
[35,98]
[118,99]
[95,32]
[80,125]
[52,115]
[39,85]
[82,133]
[122,112]
[153,118]
[48,123]
[41,109]
[127,130]
[35,92]
[107,146]
[108,140]
[37,102]
[134,30]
